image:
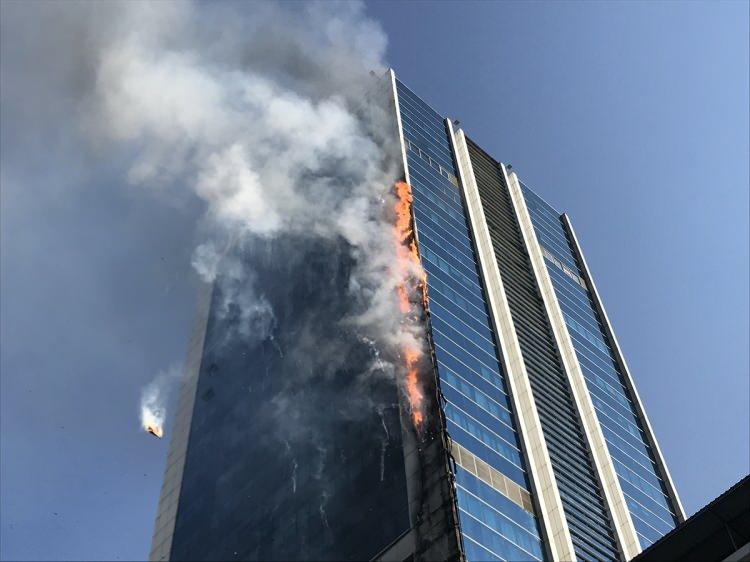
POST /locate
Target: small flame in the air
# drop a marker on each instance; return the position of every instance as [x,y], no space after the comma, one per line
[155,430]
[413,279]
[153,404]
[154,400]
[412,356]
[152,421]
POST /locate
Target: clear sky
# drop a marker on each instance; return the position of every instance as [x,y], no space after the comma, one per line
[631,117]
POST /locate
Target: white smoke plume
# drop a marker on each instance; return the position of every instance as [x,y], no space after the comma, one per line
[265,123]
[258,111]
[267,117]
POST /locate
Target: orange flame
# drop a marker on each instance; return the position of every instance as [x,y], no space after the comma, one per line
[155,430]
[412,384]
[409,265]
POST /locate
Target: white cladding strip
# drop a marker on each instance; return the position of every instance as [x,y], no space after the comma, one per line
[543,483]
[625,533]
[400,125]
[671,489]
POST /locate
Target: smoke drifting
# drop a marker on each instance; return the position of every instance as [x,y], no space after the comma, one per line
[272,119]
[270,116]
[263,112]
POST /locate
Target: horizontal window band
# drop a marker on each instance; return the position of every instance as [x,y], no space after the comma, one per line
[494,478]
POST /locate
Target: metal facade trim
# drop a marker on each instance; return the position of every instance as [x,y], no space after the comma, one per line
[666,476]
[625,533]
[546,495]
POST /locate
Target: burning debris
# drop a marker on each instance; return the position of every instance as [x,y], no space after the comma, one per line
[156,431]
[152,417]
[413,283]
[152,420]
[154,401]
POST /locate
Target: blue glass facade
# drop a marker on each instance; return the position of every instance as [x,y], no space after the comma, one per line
[251,490]
[650,507]
[478,410]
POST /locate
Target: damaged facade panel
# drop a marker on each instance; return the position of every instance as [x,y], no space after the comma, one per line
[434,533]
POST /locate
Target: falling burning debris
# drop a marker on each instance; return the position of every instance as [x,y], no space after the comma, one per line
[414,278]
[152,420]
[155,431]
[154,400]
[412,356]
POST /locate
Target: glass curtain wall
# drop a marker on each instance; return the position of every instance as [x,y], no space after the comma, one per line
[645,493]
[478,409]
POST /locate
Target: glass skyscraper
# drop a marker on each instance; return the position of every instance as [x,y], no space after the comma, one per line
[539,448]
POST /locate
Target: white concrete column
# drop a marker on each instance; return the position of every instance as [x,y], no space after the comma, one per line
[650,436]
[544,486]
[392,76]
[627,539]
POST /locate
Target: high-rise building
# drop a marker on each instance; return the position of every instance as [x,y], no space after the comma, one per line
[535,446]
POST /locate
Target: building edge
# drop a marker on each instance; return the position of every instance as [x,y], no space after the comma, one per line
[397,107]
[161,542]
[435,532]
[632,390]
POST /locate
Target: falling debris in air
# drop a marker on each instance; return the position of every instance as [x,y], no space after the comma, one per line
[154,400]
[155,431]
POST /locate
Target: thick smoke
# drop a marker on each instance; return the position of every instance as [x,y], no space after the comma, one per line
[268,114]
[273,118]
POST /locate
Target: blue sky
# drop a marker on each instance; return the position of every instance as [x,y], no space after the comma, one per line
[631,117]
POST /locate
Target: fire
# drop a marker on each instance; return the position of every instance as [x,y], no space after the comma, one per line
[155,430]
[152,421]
[412,357]
[412,277]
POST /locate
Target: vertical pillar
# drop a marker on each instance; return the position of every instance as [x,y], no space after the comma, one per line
[625,533]
[545,492]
